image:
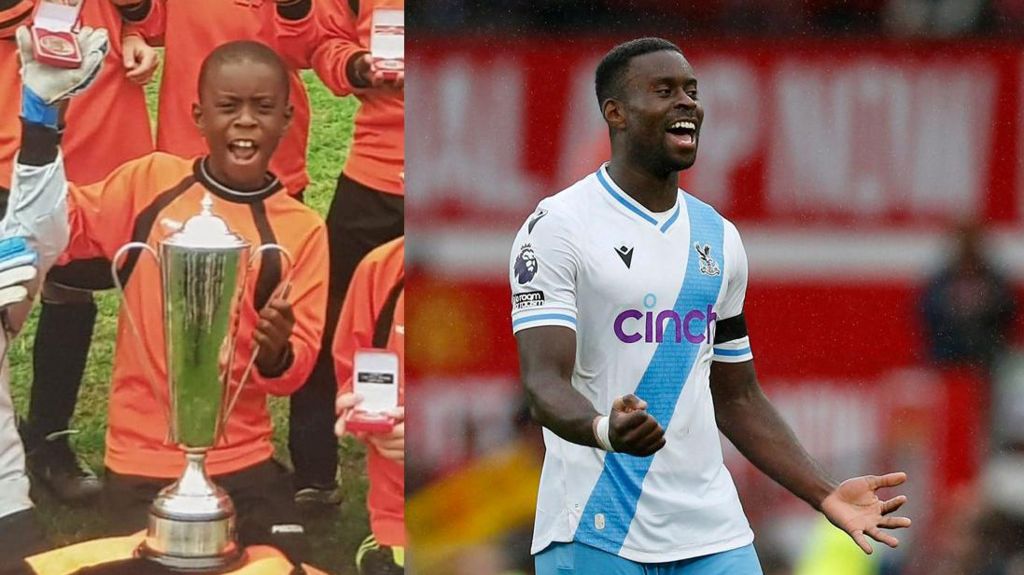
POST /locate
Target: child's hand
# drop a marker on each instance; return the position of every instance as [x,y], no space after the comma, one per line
[272,332]
[392,444]
[367,75]
[140,59]
[343,407]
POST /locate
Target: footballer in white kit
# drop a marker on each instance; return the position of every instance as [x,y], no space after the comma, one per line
[644,292]
[627,305]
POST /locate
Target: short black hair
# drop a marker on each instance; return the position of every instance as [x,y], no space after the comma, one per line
[244,51]
[608,78]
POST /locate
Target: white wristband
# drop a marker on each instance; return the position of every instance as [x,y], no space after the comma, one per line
[601,433]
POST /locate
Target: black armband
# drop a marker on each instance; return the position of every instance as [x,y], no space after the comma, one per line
[730,329]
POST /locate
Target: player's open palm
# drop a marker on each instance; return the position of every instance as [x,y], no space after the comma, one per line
[856,508]
[631,429]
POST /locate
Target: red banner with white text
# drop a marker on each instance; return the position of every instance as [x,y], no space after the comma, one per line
[795,133]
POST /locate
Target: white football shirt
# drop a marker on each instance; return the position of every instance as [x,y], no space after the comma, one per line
[643,291]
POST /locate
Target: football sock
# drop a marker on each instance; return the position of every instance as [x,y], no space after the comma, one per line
[59,355]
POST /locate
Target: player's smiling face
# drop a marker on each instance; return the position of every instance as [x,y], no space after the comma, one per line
[663,114]
[243,112]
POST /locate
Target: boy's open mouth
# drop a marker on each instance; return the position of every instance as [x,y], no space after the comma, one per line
[243,150]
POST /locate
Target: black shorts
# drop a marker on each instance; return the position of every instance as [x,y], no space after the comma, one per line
[86,275]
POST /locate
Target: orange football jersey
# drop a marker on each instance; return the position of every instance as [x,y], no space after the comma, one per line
[147,200]
[327,38]
[375,278]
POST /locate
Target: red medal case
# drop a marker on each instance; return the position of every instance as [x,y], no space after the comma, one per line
[53,38]
[369,423]
[387,42]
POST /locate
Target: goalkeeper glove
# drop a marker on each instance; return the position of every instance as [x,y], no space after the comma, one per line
[44,86]
[17,268]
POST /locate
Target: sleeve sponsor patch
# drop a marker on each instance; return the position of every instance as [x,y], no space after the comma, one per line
[527,300]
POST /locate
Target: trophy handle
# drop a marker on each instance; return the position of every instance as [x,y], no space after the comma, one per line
[114,265]
[282,291]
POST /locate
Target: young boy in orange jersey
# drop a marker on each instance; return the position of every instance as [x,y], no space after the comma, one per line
[242,112]
[373,316]
[188,34]
[96,143]
[368,208]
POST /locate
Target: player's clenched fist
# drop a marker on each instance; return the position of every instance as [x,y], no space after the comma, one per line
[272,332]
[631,429]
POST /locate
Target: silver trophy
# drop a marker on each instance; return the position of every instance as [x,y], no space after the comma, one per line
[204,268]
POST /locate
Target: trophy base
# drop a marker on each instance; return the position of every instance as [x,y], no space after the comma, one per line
[191,546]
[192,524]
[206,565]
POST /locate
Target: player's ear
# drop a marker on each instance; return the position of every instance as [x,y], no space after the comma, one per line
[197,117]
[289,111]
[613,113]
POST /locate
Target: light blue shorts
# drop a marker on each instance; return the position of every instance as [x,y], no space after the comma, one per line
[580,559]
